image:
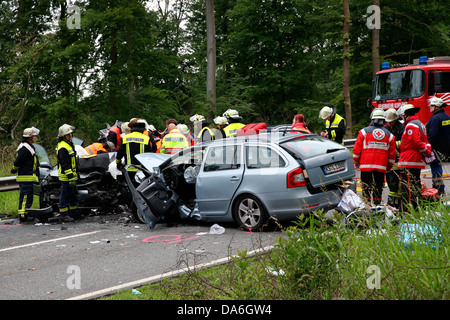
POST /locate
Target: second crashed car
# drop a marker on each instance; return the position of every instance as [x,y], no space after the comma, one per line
[244,179]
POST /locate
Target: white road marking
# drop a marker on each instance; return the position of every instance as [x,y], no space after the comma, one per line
[47,241]
[159,277]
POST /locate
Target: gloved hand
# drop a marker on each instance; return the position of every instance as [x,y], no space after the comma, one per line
[13,171]
[73,182]
[430,158]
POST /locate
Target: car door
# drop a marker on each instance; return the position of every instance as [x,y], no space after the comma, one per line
[219,177]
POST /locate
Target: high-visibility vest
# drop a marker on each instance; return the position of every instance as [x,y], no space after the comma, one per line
[232,128]
[62,175]
[333,126]
[134,137]
[173,142]
[116,129]
[95,148]
[200,134]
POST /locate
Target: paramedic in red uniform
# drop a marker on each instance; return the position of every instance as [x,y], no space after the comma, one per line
[374,154]
[414,150]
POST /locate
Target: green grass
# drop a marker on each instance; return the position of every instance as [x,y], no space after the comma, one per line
[323,262]
[9,201]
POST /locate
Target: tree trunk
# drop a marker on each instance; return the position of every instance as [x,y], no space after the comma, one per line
[210,55]
[375,46]
[346,78]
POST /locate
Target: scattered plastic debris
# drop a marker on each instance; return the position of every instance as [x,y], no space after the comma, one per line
[134,291]
[421,234]
[216,229]
[274,272]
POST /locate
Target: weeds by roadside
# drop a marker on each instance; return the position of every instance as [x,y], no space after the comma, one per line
[319,261]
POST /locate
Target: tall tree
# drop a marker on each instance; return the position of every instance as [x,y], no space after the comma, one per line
[346,77]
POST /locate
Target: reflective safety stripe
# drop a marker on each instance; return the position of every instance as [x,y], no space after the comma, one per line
[446,122]
[372,166]
[63,175]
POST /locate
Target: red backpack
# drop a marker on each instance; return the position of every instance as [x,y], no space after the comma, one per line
[251,128]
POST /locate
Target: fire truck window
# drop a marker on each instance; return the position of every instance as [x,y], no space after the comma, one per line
[431,84]
[444,86]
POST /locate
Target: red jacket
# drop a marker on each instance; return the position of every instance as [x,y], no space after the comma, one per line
[300,126]
[374,149]
[414,145]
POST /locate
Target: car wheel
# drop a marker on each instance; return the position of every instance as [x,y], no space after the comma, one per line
[249,212]
[136,215]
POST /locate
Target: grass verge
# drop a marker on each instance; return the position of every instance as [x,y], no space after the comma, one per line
[408,260]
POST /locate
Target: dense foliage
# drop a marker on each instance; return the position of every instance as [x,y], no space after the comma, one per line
[139,58]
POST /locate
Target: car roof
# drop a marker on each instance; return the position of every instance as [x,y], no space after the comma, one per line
[275,136]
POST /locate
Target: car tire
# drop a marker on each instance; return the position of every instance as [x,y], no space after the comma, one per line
[135,214]
[249,213]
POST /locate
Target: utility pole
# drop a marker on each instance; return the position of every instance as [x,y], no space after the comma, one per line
[210,55]
[346,78]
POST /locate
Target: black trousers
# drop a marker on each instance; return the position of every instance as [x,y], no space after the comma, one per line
[372,186]
[393,182]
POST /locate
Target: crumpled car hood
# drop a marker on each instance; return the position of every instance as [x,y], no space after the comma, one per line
[151,160]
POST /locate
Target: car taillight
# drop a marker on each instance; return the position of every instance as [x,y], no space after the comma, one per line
[296,178]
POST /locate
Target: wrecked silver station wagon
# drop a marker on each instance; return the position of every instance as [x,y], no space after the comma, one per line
[244,179]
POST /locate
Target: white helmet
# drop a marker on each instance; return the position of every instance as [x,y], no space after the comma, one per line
[231,113]
[65,129]
[377,114]
[436,102]
[391,115]
[325,112]
[409,107]
[221,120]
[197,118]
[183,128]
[29,132]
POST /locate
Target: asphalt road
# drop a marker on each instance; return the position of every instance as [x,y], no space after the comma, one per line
[102,254]
[99,255]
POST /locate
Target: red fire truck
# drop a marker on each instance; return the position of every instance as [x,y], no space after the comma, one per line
[412,84]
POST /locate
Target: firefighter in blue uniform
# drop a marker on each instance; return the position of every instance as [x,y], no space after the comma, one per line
[26,165]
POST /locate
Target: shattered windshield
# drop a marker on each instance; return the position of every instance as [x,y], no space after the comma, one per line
[399,85]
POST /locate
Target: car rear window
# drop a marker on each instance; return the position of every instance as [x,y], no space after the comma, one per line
[311,146]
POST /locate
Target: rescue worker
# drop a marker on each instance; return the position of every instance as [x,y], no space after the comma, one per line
[202,130]
[184,129]
[174,141]
[414,149]
[102,146]
[299,125]
[67,174]
[395,127]
[335,125]
[114,134]
[438,134]
[26,165]
[134,143]
[234,121]
[374,154]
[125,128]
[157,135]
[221,123]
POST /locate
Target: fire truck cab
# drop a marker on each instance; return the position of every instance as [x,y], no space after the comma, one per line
[412,84]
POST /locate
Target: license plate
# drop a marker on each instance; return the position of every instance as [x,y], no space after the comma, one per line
[334,167]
